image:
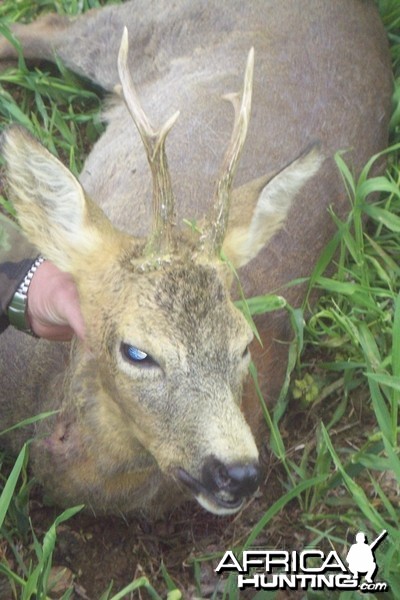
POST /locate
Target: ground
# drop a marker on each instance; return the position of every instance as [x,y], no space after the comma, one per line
[189,542]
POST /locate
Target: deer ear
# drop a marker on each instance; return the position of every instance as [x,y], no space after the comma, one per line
[260,207]
[51,205]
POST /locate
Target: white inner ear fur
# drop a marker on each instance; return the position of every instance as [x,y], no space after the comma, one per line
[243,243]
[50,202]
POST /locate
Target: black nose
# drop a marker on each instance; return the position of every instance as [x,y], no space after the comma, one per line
[237,480]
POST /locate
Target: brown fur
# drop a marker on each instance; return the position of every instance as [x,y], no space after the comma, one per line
[321,73]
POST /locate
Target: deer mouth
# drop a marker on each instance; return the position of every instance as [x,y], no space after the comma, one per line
[217,503]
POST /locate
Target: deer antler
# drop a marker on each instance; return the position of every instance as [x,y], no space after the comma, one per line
[213,236]
[160,241]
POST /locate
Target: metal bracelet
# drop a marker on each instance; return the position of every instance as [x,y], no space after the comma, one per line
[17,309]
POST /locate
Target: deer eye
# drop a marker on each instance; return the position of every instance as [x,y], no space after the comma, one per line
[136,356]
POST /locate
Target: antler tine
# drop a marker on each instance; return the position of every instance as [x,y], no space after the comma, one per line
[214,234]
[154,142]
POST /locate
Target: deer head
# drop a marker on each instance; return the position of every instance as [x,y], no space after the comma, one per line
[168,349]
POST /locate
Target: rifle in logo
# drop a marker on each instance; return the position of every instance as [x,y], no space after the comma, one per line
[361,559]
[305,569]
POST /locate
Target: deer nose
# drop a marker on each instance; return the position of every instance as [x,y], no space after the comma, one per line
[236,480]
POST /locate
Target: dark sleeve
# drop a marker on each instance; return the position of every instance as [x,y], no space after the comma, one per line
[16,258]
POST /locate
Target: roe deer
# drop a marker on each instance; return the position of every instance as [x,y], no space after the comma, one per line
[149,407]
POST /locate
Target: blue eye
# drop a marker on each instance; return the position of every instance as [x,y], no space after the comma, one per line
[136,356]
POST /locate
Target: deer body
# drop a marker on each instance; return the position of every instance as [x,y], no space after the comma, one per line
[127,430]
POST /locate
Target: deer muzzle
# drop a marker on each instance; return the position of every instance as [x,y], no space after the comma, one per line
[223,488]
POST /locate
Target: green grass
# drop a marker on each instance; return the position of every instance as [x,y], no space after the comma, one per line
[347,350]
[52,104]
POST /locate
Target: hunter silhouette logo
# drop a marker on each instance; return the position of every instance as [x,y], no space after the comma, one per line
[360,557]
[308,569]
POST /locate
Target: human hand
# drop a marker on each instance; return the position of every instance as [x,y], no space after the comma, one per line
[53,305]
